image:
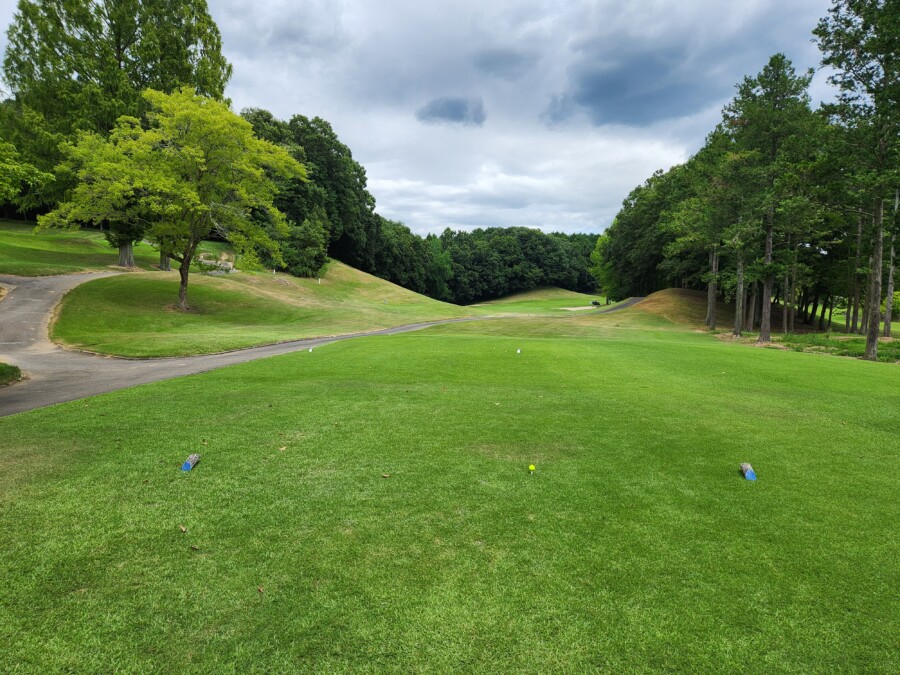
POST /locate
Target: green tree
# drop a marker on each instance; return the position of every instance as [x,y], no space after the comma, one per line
[16,174]
[78,65]
[769,117]
[193,169]
[860,40]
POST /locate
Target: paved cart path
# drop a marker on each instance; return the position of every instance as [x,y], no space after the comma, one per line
[55,375]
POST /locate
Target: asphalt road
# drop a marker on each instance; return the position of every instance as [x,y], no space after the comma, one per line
[56,375]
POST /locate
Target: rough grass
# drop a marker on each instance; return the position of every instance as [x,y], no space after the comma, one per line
[635,546]
[9,374]
[841,345]
[136,315]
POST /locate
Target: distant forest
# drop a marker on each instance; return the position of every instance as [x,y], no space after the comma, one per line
[334,212]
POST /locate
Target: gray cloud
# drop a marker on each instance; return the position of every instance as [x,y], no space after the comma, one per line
[586,97]
[507,64]
[453,110]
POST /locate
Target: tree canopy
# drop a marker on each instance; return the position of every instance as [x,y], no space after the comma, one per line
[192,169]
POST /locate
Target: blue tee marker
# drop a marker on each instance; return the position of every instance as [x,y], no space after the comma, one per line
[748,471]
[190,462]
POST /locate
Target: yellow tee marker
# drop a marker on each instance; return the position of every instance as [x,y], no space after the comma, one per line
[531,468]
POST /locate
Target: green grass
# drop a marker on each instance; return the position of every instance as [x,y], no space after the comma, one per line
[635,546]
[135,315]
[24,253]
[841,345]
[541,301]
[60,252]
[9,374]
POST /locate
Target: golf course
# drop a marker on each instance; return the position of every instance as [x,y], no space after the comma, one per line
[368,505]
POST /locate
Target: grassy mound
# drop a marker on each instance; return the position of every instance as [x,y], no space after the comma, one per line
[9,374]
[542,300]
[683,306]
[368,507]
[135,315]
[26,254]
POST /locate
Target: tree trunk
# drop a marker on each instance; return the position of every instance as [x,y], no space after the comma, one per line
[165,262]
[889,301]
[784,302]
[874,304]
[739,297]
[712,289]
[854,320]
[182,289]
[126,254]
[813,314]
[751,307]
[765,324]
[831,310]
[825,303]
[792,312]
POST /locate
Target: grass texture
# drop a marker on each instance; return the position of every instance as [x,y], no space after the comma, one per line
[136,315]
[368,507]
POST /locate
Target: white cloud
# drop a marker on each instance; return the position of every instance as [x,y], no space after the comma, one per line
[660,70]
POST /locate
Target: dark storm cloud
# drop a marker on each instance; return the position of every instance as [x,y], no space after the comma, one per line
[453,110]
[635,90]
[649,72]
[507,64]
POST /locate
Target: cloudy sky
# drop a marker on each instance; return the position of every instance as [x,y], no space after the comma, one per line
[507,112]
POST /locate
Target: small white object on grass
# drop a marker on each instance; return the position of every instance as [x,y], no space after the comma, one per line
[310,350]
[518,351]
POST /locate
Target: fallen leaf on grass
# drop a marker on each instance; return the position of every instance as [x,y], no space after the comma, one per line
[204,441]
[195,548]
[260,589]
[385,475]
[282,448]
[182,528]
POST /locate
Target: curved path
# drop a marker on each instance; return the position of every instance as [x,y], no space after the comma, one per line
[55,375]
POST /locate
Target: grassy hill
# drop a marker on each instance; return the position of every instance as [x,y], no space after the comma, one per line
[542,300]
[26,254]
[135,315]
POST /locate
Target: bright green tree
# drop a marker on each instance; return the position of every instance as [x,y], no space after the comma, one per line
[78,65]
[194,168]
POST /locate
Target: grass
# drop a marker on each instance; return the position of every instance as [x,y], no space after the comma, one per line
[636,545]
[540,301]
[9,374]
[24,253]
[135,315]
[840,344]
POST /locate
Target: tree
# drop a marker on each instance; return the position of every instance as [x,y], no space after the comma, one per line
[14,174]
[78,65]
[194,168]
[860,40]
[769,116]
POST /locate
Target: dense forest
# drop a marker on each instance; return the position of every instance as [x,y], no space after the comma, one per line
[75,70]
[788,211]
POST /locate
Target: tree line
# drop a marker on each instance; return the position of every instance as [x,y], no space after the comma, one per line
[787,211]
[117,118]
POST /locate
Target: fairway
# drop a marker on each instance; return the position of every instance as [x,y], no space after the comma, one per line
[368,506]
[135,315]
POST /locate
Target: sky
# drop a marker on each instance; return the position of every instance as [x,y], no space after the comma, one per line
[489,113]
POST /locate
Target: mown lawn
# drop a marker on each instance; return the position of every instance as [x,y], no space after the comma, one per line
[367,506]
[26,254]
[543,301]
[137,315]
